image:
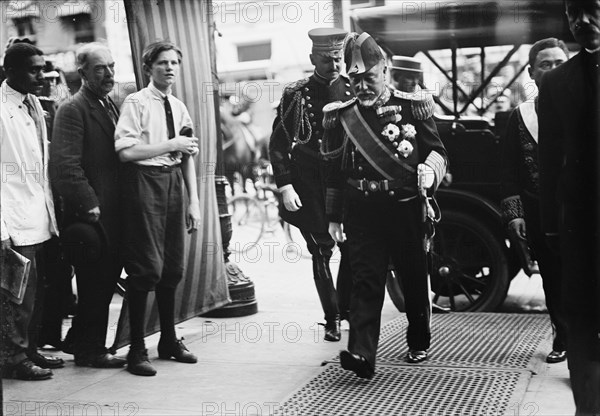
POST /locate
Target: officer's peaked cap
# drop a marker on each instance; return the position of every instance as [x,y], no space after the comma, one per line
[327,40]
[361,53]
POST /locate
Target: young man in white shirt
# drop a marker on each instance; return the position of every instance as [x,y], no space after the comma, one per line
[151,136]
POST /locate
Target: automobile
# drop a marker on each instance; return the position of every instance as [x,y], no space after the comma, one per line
[472,259]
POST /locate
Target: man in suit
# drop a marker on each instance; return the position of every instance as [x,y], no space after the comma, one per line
[85,173]
[300,170]
[381,145]
[569,123]
[520,188]
[27,219]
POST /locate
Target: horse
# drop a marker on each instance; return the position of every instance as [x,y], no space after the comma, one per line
[243,150]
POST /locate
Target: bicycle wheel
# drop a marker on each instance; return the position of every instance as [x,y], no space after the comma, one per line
[247,222]
[295,240]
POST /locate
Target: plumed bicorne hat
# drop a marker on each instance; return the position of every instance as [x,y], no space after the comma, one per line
[361,53]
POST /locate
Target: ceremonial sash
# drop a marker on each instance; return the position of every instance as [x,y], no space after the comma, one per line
[368,144]
[530,119]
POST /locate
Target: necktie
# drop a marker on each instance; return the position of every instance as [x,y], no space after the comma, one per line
[112,113]
[170,126]
[34,115]
[170,123]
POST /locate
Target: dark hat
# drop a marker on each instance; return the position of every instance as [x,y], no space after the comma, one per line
[361,54]
[83,242]
[406,63]
[327,40]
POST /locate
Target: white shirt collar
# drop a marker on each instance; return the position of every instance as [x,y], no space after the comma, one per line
[593,50]
[158,92]
[13,95]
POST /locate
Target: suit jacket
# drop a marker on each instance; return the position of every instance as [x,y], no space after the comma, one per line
[84,165]
[569,120]
[569,127]
[296,158]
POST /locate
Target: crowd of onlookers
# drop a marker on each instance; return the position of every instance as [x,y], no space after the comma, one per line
[119,186]
[65,158]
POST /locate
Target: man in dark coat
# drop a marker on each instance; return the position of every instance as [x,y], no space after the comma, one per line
[520,188]
[381,144]
[85,173]
[569,120]
[300,171]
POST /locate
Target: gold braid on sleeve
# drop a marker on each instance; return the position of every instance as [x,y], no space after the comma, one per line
[331,154]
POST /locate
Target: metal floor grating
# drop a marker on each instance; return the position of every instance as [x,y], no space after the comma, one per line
[400,391]
[489,340]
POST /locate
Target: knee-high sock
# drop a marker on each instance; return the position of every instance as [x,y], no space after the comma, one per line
[137,317]
[165,298]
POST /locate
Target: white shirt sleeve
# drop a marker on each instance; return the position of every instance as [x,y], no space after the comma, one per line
[129,128]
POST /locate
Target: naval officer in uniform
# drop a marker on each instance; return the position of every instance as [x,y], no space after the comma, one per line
[379,145]
[300,170]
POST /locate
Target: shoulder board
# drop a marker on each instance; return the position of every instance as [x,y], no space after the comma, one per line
[421,103]
[331,112]
[295,86]
[402,95]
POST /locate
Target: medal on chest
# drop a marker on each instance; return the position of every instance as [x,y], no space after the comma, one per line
[401,138]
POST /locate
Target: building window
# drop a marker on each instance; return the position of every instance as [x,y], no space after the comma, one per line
[354,4]
[81,25]
[254,51]
[24,26]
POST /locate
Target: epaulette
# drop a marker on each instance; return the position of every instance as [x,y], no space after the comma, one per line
[331,111]
[421,103]
[295,86]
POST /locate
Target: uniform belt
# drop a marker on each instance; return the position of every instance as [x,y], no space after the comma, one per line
[375,186]
[161,168]
[307,151]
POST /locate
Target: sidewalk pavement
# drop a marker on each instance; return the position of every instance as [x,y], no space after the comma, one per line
[249,365]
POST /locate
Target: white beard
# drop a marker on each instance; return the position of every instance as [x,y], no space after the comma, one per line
[368,103]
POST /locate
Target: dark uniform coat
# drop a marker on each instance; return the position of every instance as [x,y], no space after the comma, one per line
[382,216]
[294,147]
[353,165]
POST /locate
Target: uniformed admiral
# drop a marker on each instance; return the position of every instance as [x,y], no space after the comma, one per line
[299,169]
[377,144]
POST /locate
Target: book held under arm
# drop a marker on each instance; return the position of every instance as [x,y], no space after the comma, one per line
[14,274]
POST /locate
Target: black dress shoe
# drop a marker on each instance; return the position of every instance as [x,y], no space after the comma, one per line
[333,332]
[175,349]
[27,370]
[46,361]
[138,363]
[101,360]
[356,363]
[556,357]
[435,308]
[416,356]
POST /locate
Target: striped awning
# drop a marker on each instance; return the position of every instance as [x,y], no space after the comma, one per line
[184,22]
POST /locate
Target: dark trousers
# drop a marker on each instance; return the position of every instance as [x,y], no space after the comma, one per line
[154,222]
[320,246]
[344,282]
[96,283]
[581,278]
[550,270]
[58,293]
[27,317]
[380,228]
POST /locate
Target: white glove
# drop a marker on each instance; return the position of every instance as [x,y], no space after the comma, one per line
[336,232]
[428,176]
[291,200]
